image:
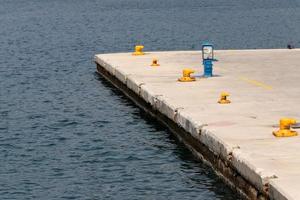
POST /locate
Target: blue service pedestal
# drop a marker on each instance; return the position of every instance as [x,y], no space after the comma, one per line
[208,68]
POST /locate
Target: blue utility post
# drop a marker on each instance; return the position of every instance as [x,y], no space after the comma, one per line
[208,58]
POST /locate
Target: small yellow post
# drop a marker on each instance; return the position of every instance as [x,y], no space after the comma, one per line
[138,50]
[155,63]
[285,128]
[186,75]
[223,98]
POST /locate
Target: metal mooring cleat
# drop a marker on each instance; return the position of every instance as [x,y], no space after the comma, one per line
[138,50]
[285,128]
[223,98]
[186,75]
[155,63]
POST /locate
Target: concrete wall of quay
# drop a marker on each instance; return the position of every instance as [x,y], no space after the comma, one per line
[229,162]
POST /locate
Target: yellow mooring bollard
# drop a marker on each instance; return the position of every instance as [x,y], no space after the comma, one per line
[285,128]
[138,50]
[155,63]
[223,98]
[186,75]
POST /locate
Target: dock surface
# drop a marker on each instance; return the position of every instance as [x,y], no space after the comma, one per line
[264,86]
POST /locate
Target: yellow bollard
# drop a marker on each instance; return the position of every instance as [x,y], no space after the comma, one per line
[186,75]
[285,128]
[223,98]
[155,63]
[138,50]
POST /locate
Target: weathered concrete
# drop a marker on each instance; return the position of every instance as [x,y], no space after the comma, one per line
[264,87]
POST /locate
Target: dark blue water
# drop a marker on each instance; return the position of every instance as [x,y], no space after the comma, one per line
[65,133]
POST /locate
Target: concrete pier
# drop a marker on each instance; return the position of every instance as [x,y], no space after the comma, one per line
[235,139]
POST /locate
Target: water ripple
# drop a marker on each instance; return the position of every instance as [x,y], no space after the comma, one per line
[66,133]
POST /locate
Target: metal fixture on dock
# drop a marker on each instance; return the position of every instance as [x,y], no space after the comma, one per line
[207,59]
[155,63]
[138,50]
[285,128]
[186,75]
[223,98]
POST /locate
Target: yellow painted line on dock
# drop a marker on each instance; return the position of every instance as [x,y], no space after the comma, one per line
[256,83]
[252,81]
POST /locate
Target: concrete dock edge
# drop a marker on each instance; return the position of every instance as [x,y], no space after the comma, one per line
[201,143]
[235,139]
